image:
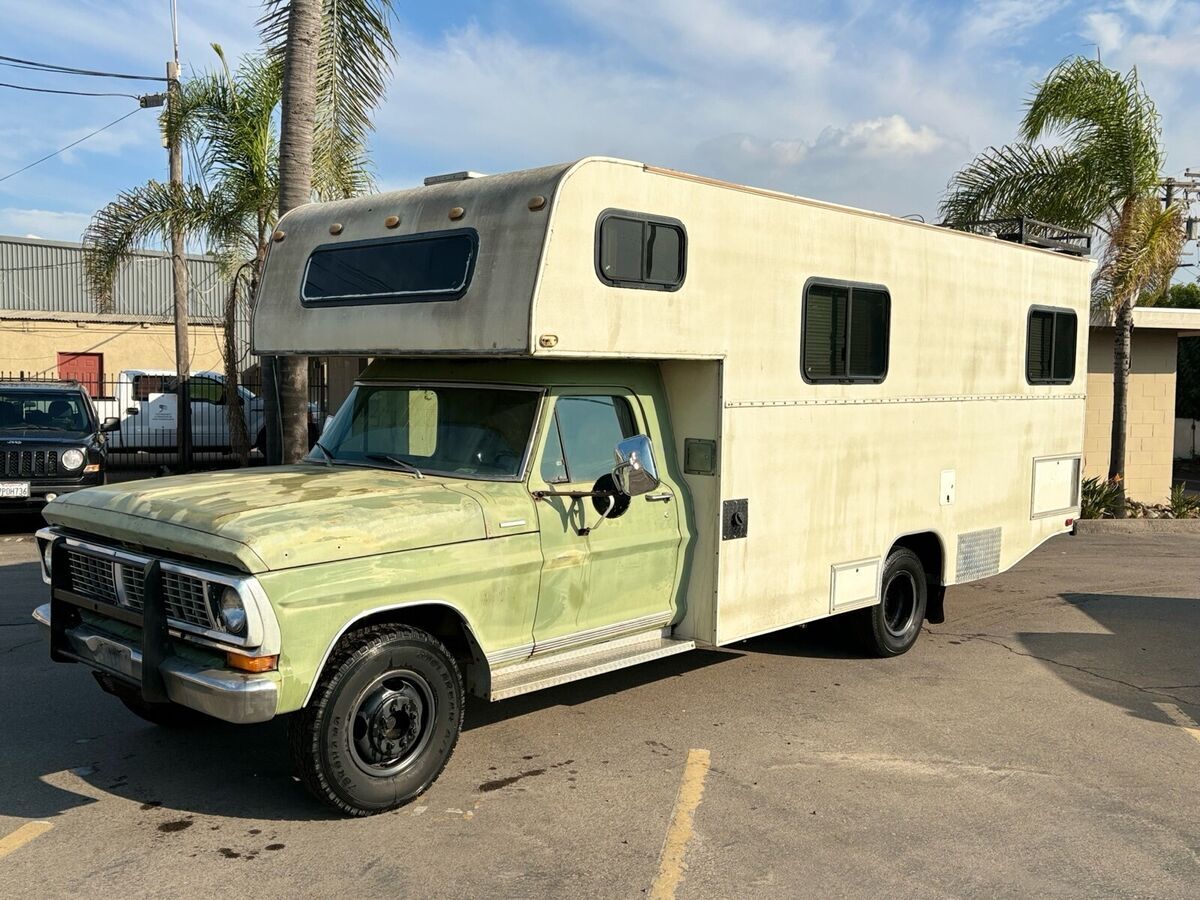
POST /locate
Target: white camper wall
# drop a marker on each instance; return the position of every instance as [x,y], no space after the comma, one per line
[833,473]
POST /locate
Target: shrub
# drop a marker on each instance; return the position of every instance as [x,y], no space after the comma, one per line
[1183,505]
[1098,498]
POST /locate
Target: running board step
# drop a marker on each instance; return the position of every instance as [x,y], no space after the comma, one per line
[571,665]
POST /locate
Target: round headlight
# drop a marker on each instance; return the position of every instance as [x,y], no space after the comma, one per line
[73,459]
[48,556]
[231,613]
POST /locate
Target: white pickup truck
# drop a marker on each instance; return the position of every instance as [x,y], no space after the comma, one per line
[147,404]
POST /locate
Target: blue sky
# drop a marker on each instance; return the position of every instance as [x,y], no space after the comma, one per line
[869,103]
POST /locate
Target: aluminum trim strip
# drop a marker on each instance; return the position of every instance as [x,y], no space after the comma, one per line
[643,623]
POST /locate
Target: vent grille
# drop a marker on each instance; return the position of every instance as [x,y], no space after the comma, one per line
[978,554]
[28,463]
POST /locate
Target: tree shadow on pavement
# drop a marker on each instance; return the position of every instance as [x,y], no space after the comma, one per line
[1148,655]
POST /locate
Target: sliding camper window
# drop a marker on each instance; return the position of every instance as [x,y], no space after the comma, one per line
[1050,351]
[408,269]
[638,251]
[845,332]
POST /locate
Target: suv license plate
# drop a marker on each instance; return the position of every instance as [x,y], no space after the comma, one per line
[14,488]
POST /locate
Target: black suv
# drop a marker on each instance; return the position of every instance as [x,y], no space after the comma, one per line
[50,442]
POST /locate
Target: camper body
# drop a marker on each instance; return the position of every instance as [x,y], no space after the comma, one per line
[614,412]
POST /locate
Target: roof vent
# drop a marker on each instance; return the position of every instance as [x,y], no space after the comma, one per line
[451,176]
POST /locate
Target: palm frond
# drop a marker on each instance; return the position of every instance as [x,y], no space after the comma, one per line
[1140,260]
[146,212]
[353,66]
[1090,105]
[1044,183]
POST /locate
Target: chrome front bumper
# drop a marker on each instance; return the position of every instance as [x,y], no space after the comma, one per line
[237,697]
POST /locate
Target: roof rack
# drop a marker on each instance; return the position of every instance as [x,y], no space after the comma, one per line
[1023,230]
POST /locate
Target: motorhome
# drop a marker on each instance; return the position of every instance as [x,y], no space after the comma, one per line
[614,412]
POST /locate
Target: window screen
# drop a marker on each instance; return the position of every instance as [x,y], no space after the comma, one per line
[640,252]
[1050,350]
[845,333]
[435,266]
[583,436]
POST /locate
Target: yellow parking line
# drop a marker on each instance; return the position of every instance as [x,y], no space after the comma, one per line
[1180,718]
[671,862]
[22,836]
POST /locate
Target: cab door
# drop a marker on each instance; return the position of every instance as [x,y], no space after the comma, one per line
[619,577]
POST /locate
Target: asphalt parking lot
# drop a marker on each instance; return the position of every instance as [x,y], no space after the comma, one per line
[1043,741]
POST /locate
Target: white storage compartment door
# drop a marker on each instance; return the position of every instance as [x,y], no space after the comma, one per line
[1055,485]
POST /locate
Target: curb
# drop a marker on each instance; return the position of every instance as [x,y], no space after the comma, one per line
[1137,526]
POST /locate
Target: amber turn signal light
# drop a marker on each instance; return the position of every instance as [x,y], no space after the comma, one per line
[252,663]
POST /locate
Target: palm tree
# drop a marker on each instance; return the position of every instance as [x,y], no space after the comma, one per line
[336,59]
[227,121]
[1100,175]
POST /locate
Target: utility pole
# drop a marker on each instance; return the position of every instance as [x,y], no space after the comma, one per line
[179,273]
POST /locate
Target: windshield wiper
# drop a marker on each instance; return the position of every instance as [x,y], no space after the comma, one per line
[328,456]
[403,464]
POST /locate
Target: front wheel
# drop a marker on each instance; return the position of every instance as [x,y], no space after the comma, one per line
[382,722]
[892,626]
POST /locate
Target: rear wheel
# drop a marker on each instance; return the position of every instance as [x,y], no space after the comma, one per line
[382,722]
[892,626]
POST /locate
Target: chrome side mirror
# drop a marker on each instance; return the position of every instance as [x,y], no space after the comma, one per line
[636,472]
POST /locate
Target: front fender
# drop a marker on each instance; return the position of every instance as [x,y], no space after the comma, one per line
[491,584]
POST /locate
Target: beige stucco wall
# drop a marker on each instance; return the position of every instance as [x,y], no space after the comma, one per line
[32,346]
[1151,428]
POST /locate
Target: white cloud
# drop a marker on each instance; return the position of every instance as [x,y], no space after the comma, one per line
[709,35]
[1153,13]
[43,223]
[1106,29]
[889,136]
[993,21]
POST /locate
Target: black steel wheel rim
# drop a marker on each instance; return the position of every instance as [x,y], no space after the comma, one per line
[899,603]
[391,722]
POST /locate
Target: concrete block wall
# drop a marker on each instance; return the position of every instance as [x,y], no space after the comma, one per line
[1151,431]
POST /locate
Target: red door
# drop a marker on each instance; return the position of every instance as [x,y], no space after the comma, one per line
[86,368]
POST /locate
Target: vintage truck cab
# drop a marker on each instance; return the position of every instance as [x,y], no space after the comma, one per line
[611,414]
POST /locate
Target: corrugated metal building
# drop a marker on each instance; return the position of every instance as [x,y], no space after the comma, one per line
[49,321]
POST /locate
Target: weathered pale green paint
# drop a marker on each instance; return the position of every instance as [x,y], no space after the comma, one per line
[492,584]
[330,545]
[623,570]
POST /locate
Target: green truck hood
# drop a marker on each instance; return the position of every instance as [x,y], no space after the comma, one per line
[289,516]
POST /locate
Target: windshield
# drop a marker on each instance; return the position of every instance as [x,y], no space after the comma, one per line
[43,411]
[474,432]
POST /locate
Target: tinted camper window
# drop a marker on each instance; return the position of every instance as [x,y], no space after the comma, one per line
[639,251]
[845,332]
[419,267]
[1050,351]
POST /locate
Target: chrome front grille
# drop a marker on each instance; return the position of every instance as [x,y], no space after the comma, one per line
[28,463]
[134,581]
[184,598]
[97,578]
[92,577]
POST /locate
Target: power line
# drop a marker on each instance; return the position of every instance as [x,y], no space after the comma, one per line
[38,90]
[70,145]
[16,63]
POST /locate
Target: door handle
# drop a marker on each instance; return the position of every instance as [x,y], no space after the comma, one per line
[659,498]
